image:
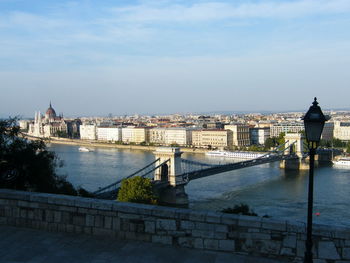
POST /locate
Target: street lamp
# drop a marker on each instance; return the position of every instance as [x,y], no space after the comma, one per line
[313,122]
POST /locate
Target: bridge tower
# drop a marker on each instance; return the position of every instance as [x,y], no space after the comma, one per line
[298,140]
[170,172]
[294,145]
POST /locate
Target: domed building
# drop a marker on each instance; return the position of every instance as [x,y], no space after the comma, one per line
[50,113]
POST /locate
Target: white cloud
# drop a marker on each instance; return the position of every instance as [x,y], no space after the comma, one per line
[212,11]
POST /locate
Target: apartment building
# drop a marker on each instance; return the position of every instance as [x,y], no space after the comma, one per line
[286,127]
[259,135]
[240,134]
[88,131]
[112,134]
[342,130]
[212,138]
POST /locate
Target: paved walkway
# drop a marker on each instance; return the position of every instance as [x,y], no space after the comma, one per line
[29,245]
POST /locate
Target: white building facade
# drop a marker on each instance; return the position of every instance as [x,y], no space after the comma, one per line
[88,131]
[110,134]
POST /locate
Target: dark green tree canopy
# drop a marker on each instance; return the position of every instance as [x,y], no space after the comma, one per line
[28,165]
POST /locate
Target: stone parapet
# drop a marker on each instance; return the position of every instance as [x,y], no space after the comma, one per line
[172,226]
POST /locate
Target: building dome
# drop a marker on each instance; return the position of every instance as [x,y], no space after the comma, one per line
[50,113]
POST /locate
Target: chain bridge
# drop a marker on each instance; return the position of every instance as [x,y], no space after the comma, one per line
[170,173]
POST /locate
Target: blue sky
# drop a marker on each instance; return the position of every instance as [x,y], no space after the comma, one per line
[125,57]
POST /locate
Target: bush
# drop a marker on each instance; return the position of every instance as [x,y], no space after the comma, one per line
[242,209]
[137,190]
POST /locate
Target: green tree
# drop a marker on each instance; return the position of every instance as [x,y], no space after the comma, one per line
[348,147]
[137,190]
[28,165]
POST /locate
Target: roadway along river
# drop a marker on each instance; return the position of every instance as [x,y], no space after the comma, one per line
[265,188]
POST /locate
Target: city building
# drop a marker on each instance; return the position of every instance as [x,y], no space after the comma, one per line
[140,135]
[342,130]
[49,125]
[171,136]
[212,138]
[110,134]
[88,131]
[128,134]
[259,135]
[240,134]
[286,127]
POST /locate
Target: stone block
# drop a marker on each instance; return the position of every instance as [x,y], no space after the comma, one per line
[129,216]
[60,200]
[150,227]
[138,236]
[70,228]
[166,224]
[287,251]
[346,253]
[229,219]
[249,221]
[320,261]
[3,220]
[21,203]
[327,250]
[269,246]
[182,213]
[49,216]
[30,214]
[204,226]
[102,205]
[166,240]
[88,230]
[23,213]
[185,224]
[227,245]
[116,223]
[198,243]
[61,227]
[272,224]
[125,207]
[65,208]
[211,244]
[98,221]
[83,202]
[290,241]
[213,217]
[57,216]
[198,216]
[108,222]
[221,228]
[78,229]
[15,195]
[203,233]
[79,219]
[186,242]
[166,212]
[300,248]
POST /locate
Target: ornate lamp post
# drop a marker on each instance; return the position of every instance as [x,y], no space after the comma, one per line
[313,122]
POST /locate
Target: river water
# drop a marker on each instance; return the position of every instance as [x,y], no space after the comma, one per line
[266,188]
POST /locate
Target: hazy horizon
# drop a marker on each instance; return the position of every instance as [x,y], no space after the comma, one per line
[149,57]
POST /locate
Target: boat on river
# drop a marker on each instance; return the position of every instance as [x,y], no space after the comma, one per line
[343,162]
[84,149]
[238,155]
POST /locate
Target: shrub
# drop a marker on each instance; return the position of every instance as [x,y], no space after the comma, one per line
[137,190]
[242,209]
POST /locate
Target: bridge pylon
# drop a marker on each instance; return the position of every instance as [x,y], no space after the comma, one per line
[170,172]
[294,145]
[296,139]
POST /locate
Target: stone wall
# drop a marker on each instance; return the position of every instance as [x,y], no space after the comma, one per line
[172,226]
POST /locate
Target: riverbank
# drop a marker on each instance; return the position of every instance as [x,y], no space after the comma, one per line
[90,143]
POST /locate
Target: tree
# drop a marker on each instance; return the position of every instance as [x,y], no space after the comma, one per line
[242,209]
[138,190]
[348,147]
[28,165]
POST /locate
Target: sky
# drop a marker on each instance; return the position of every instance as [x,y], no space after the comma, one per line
[92,58]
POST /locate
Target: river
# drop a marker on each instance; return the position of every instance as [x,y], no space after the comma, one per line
[266,188]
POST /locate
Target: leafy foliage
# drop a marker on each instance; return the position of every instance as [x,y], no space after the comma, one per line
[138,190]
[28,165]
[242,209]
